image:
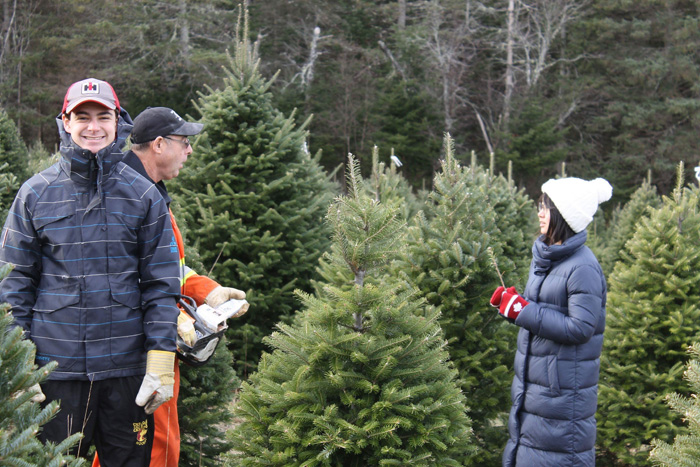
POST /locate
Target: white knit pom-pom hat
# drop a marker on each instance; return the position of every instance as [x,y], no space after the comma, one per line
[576,199]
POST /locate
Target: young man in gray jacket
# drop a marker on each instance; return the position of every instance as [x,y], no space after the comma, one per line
[95,281]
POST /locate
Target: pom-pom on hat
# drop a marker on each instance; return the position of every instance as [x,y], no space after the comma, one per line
[577,200]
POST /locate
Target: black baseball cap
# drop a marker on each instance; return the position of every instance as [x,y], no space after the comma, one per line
[161,121]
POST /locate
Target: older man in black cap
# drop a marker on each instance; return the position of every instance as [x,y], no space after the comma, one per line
[160,147]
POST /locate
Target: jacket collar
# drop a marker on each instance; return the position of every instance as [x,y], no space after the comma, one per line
[133,161]
[545,255]
[85,167]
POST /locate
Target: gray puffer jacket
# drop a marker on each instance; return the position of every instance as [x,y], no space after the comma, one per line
[555,388]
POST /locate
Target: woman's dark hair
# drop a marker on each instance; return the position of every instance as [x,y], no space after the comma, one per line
[558,230]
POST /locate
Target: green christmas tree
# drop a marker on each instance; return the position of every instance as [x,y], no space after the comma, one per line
[254,200]
[206,394]
[13,162]
[477,222]
[363,378]
[516,216]
[653,316]
[685,450]
[20,418]
[625,223]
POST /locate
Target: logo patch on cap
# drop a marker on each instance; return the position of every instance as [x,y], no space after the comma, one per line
[91,88]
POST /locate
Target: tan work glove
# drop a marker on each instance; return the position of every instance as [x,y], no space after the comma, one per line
[39,396]
[220,295]
[185,328]
[157,386]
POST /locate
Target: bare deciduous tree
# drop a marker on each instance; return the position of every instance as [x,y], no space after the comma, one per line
[538,24]
[401,22]
[15,36]
[532,27]
[450,49]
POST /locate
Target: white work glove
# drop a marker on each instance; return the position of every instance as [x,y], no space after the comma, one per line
[39,396]
[220,295]
[185,329]
[157,386]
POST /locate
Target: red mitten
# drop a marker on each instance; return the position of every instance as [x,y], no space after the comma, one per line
[498,294]
[496,297]
[511,304]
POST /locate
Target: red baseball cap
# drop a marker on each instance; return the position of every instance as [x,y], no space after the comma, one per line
[90,90]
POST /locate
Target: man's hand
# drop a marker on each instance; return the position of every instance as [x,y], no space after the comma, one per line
[157,386]
[220,295]
[185,329]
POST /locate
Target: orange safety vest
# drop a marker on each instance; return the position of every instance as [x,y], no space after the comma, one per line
[166,435]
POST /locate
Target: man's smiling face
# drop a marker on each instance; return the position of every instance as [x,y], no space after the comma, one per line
[91,126]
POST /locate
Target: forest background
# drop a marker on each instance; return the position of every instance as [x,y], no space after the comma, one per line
[548,87]
[610,87]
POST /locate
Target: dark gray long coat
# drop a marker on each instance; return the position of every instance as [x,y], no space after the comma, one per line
[555,388]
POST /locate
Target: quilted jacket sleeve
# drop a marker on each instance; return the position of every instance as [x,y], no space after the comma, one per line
[158,270]
[584,289]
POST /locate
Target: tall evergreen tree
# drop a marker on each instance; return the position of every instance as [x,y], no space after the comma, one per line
[685,450]
[13,162]
[364,377]
[254,199]
[449,257]
[653,316]
[407,124]
[20,418]
[641,107]
[206,395]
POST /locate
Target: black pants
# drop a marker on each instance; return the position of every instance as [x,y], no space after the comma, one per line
[107,415]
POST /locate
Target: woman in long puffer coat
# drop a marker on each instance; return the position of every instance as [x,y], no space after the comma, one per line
[561,316]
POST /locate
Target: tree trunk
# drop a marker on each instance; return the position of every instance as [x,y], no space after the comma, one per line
[184,33]
[402,15]
[510,82]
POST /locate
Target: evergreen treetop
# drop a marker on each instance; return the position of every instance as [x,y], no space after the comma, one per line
[385,185]
[626,222]
[254,200]
[363,377]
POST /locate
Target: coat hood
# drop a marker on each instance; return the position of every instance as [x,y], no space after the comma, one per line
[84,166]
